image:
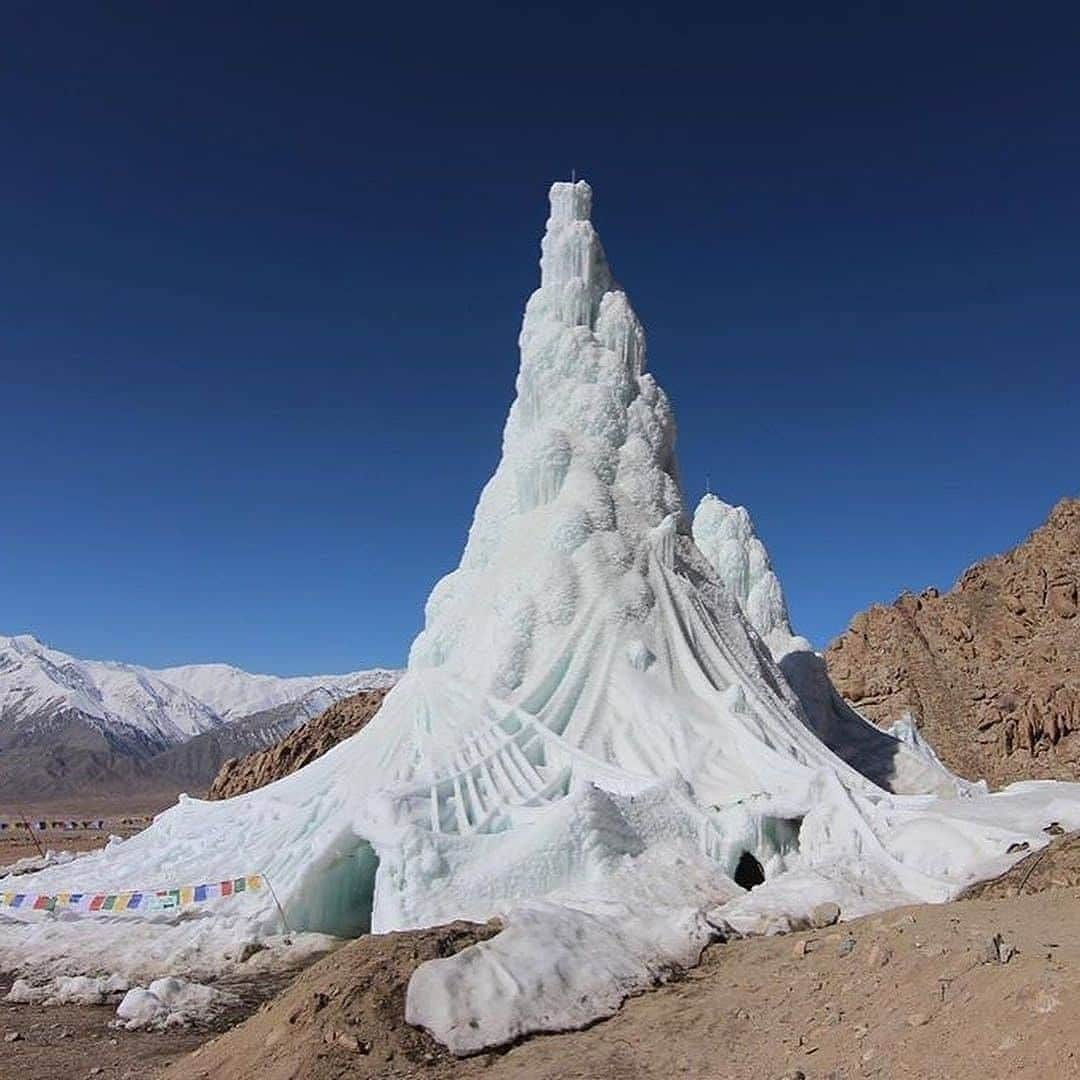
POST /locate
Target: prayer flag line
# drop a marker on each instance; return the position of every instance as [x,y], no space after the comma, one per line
[131,899]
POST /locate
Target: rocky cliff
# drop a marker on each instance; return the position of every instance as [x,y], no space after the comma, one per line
[990,671]
[306,743]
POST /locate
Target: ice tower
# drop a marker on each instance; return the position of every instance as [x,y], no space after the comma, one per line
[589,740]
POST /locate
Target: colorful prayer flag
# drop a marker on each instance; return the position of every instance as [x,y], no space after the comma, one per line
[131,900]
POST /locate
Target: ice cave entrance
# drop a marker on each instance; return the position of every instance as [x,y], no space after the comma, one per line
[338,896]
[749,872]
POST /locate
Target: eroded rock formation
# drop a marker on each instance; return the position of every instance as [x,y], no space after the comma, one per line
[990,671]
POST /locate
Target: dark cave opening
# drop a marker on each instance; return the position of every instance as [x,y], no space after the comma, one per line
[749,871]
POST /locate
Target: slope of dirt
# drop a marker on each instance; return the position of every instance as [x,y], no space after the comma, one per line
[915,993]
[344,1015]
[299,747]
[991,670]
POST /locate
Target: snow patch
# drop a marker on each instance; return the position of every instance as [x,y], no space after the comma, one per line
[36,862]
[171,1003]
[69,990]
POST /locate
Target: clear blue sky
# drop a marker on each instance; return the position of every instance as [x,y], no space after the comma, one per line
[264,266]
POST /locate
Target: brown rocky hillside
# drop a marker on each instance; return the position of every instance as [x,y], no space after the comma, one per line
[990,670]
[305,744]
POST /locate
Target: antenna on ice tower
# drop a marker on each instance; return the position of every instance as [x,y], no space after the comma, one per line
[573,176]
[708,485]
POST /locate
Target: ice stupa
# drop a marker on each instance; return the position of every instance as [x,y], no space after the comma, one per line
[591,741]
[900,760]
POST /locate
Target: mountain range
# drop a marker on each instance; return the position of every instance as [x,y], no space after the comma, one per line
[69,725]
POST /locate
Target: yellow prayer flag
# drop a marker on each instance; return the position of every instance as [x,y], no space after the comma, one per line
[187,894]
[254,881]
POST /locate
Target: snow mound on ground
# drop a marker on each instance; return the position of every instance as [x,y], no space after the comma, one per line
[69,990]
[590,741]
[562,963]
[36,862]
[552,969]
[171,1003]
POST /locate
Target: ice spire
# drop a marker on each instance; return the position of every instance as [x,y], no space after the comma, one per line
[725,534]
[587,465]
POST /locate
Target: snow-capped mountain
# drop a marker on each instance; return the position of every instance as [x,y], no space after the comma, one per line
[233,693]
[141,710]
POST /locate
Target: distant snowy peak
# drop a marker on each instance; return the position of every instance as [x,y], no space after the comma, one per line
[159,708]
[233,693]
[37,682]
[725,534]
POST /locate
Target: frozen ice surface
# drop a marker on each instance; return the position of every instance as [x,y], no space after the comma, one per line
[727,538]
[591,737]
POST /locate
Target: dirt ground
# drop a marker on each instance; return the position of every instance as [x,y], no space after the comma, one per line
[975,990]
[71,1040]
[120,818]
[919,993]
[74,1041]
[14,848]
